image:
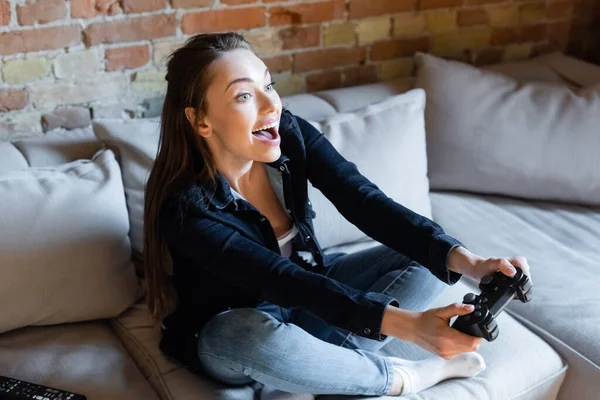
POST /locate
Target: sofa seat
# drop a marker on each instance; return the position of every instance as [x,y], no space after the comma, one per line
[562,245]
[85,358]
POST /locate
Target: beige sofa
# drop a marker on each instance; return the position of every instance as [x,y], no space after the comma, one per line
[547,349]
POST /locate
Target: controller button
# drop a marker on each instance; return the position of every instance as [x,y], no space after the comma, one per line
[477,314]
[467,317]
[487,279]
[484,300]
[478,306]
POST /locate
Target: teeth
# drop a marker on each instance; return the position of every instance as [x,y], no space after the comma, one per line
[265,127]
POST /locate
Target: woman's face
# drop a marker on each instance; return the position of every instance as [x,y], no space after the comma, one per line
[240,100]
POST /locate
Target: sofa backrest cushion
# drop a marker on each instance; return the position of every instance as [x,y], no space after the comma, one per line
[488,133]
[577,72]
[10,157]
[349,99]
[553,67]
[135,143]
[64,245]
[59,147]
[317,106]
[386,141]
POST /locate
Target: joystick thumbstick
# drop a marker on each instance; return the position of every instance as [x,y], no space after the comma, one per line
[469,298]
[487,279]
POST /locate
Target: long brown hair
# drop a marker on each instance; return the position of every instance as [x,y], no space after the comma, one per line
[180,150]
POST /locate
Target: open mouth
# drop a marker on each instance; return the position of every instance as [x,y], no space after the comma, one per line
[267,134]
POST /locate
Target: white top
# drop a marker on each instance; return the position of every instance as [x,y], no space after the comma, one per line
[285,241]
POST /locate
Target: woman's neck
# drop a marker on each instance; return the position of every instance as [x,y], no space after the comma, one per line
[243,181]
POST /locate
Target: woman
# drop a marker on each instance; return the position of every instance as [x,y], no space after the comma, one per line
[236,277]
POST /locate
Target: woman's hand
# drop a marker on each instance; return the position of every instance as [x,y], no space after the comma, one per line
[431,329]
[434,334]
[505,265]
[475,267]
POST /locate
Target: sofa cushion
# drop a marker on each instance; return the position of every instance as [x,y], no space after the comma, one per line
[524,71]
[59,147]
[63,238]
[169,379]
[136,145]
[386,141]
[562,245]
[577,72]
[309,106]
[85,358]
[520,365]
[553,67]
[317,106]
[11,157]
[350,99]
[487,133]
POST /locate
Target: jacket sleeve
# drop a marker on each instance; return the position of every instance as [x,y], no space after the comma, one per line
[266,275]
[363,204]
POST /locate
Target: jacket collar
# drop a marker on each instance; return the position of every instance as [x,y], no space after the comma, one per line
[220,196]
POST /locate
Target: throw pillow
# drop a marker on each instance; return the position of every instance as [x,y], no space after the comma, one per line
[386,141]
[64,249]
[487,133]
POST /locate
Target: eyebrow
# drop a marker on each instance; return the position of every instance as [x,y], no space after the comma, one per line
[244,79]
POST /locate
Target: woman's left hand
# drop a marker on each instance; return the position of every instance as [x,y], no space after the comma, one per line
[486,266]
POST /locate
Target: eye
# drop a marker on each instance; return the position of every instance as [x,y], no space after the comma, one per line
[271,85]
[244,96]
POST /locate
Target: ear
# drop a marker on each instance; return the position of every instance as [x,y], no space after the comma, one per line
[200,125]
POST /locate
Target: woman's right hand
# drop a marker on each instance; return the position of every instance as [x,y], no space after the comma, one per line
[433,332]
[431,329]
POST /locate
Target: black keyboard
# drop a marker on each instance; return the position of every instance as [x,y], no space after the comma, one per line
[16,389]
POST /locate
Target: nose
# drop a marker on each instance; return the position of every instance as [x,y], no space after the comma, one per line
[270,103]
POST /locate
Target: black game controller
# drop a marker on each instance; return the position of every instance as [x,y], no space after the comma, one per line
[497,290]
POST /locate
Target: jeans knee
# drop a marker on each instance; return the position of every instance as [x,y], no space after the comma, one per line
[235,342]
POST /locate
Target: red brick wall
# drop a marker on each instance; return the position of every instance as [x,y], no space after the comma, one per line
[106,57]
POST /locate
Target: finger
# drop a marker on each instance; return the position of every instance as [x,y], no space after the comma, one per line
[507,268]
[521,262]
[455,309]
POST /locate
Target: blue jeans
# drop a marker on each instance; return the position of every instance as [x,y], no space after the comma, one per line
[295,351]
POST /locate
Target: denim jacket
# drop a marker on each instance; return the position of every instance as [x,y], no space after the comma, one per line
[225,252]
